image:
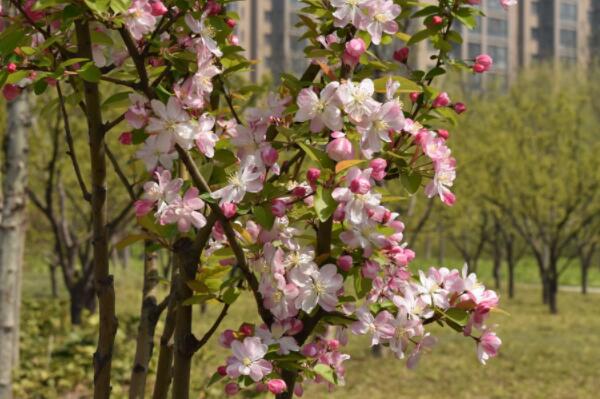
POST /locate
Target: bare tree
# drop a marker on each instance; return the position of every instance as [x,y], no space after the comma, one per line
[12,236]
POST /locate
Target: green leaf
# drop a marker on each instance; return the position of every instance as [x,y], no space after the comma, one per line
[17,76]
[129,240]
[121,98]
[197,299]
[263,216]
[10,39]
[411,182]
[90,72]
[420,36]
[99,6]
[406,85]
[317,155]
[324,203]
[459,316]
[230,295]
[119,6]
[362,285]
[326,372]
[216,377]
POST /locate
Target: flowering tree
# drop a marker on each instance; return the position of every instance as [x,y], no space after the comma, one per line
[288,201]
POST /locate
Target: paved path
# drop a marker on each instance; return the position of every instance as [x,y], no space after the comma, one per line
[568,288]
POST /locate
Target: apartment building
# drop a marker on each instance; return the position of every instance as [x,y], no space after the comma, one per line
[535,30]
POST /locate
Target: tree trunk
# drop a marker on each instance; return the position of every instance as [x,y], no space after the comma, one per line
[103,280]
[164,368]
[12,236]
[510,262]
[186,263]
[584,278]
[53,284]
[147,326]
[497,263]
[553,286]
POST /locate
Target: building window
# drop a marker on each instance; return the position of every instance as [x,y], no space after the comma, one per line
[568,11]
[500,56]
[477,28]
[497,27]
[474,50]
[568,38]
[493,5]
[535,8]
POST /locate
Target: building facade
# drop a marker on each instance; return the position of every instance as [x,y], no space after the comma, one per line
[535,30]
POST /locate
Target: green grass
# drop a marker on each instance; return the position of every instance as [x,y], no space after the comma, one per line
[543,356]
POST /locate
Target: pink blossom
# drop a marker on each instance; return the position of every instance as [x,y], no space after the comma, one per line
[483,63]
[426,343]
[156,151]
[204,136]
[357,99]
[320,110]
[357,206]
[269,155]
[194,91]
[248,359]
[171,123]
[356,47]
[312,175]
[249,178]
[317,286]
[507,3]
[139,19]
[162,192]
[226,338]
[460,108]
[380,326]
[204,31]
[348,11]
[278,335]
[184,212]
[340,148]
[386,118]
[278,207]
[381,18]
[488,346]
[370,269]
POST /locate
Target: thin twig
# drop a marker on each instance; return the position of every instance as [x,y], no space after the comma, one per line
[71,152]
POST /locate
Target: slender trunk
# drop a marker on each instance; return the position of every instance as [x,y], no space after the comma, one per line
[497,263]
[553,287]
[164,368]
[510,262]
[147,326]
[53,284]
[584,278]
[186,262]
[12,236]
[103,280]
[545,290]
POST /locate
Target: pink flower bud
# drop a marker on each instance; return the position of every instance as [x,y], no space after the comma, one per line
[278,208]
[11,67]
[443,133]
[333,344]
[485,60]
[360,185]
[51,82]
[474,2]
[414,96]
[213,8]
[298,390]
[310,350]
[340,148]
[478,68]
[231,389]
[459,108]
[378,165]
[143,207]
[401,55]
[437,20]
[222,370]
[339,214]
[370,269]
[269,155]
[349,60]
[299,191]
[226,338]
[277,386]
[126,138]
[11,91]
[296,327]
[234,40]
[442,100]
[261,387]
[312,175]
[247,329]
[230,22]
[344,262]
[356,47]
[229,209]
[158,8]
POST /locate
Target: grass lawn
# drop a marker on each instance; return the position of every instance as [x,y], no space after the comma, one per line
[543,356]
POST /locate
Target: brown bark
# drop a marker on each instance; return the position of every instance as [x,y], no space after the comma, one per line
[103,280]
[12,236]
[149,315]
